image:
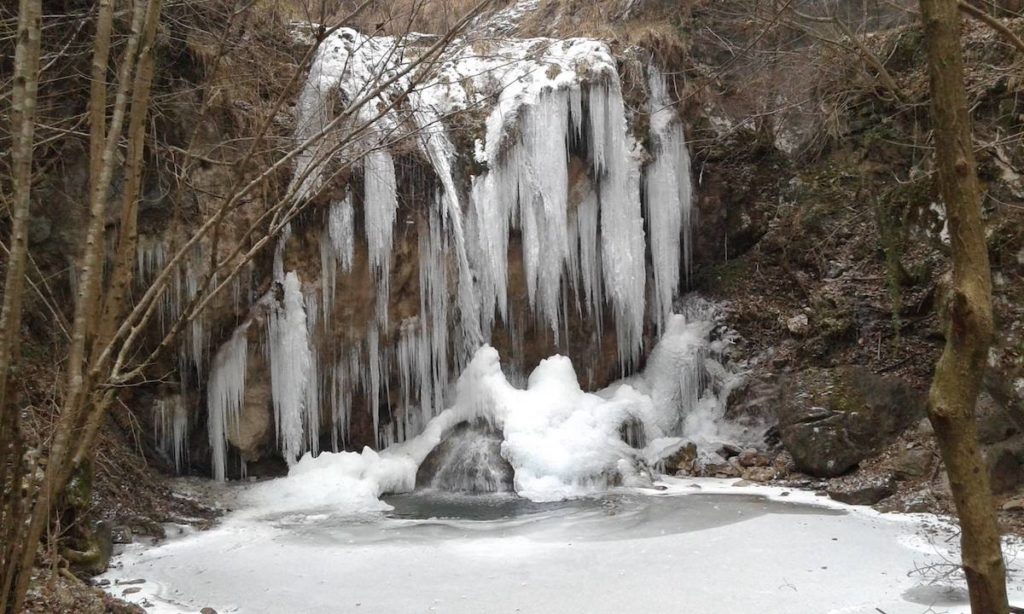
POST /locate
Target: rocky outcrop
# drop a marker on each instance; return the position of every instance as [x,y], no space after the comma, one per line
[831,419]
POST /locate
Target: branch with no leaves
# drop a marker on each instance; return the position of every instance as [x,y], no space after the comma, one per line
[991,22]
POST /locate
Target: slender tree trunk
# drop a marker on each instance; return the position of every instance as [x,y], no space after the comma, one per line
[104,143]
[23,122]
[959,372]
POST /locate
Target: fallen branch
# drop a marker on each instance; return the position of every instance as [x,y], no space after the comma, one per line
[991,22]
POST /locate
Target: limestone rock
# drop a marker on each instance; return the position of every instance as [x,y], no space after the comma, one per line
[831,419]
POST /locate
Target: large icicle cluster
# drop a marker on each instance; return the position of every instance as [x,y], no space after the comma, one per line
[556,107]
[668,198]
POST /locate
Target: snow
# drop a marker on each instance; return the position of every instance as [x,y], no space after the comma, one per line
[698,546]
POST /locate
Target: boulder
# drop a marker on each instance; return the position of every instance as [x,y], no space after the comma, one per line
[468,459]
[760,474]
[912,464]
[753,458]
[861,491]
[682,460]
[1005,465]
[831,419]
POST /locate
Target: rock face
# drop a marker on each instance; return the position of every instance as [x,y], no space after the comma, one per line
[831,419]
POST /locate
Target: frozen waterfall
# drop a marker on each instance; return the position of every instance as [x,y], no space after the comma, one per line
[558,172]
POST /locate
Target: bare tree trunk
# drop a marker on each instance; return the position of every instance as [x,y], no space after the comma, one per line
[23,122]
[959,371]
[104,143]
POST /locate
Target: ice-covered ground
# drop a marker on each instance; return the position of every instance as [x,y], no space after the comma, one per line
[699,546]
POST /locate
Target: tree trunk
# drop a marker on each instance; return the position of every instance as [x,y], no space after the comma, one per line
[968,314]
[23,122]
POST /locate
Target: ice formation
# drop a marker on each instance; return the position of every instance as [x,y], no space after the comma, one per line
[171,429]
[561,441]
[225,393]
[668,198]
[291,365]
[556,169]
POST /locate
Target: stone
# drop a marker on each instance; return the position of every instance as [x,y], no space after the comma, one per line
[468,459]
[682,460]
[798,325]
[742,483]
[759,474]
[923,428]
[130,590]
[207,611]
[122,534]
[727,450]
[1005,469]
[914,463]
[1014,505]
[920,502]
[721,470]
[752,458]
[861,491]
[832,419]
[994,422]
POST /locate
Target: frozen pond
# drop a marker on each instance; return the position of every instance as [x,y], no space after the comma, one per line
[700,546]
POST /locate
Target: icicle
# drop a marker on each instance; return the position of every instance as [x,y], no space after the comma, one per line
[225,393]
[152,256]
[171,429]
[290,366]
[341,231]
[668,198]
[379,208]
[622,231]
[192,351]
[373,383]
[590,256]
[337,248]
[543,202]
[311,404]
[433,316]
[441,153]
